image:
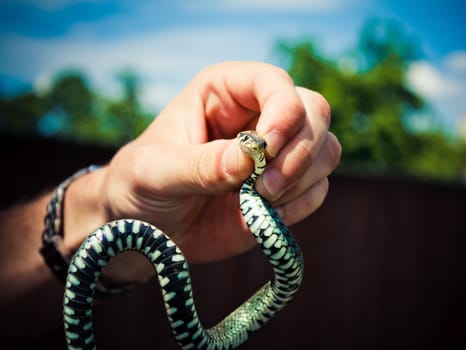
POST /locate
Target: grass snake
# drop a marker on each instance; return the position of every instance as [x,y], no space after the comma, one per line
[172,270]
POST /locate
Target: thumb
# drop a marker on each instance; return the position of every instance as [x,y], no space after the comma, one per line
[210,168]
[216,167]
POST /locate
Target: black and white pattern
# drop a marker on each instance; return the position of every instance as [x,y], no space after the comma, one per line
[174,279]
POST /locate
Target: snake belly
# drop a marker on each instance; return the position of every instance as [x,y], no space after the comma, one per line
[173,276]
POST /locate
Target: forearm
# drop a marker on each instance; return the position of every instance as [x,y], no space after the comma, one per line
[30,294]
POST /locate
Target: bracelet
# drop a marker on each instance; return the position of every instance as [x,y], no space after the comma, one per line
[52,239]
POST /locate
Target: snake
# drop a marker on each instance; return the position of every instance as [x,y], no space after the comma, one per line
[271,234]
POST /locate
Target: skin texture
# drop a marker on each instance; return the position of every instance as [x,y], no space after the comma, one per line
[183,174]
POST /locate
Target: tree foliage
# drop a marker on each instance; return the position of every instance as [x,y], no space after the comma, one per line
[70,109]
[373,107]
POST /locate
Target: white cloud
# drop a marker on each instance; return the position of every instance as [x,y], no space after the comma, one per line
[443,88]
[430,82]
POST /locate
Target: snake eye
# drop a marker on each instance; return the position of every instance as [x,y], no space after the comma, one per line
[244,136]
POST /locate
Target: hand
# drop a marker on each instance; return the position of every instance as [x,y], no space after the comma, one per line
[183,173]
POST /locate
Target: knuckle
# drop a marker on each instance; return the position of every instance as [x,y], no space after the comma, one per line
[335,149]
[282,73]
[305,153]
[138,158]
[296,107]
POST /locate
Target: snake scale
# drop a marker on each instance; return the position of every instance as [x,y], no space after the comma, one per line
[112,238]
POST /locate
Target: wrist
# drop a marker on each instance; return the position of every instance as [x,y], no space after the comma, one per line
[84,209]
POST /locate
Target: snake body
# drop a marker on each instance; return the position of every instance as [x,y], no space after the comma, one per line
[173,273]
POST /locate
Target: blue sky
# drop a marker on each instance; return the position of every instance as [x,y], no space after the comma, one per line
[168,42]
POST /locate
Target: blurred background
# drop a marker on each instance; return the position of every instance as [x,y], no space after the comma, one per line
[385,254]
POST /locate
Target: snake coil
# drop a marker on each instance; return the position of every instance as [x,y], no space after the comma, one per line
[112,238]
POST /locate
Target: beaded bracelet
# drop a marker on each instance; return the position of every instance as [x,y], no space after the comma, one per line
[52,239]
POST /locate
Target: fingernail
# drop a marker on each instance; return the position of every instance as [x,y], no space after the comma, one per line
[273,183]
[274,143]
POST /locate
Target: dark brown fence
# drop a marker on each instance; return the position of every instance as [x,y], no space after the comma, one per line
[385,266]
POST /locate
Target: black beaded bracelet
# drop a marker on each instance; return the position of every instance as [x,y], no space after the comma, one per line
[52,239]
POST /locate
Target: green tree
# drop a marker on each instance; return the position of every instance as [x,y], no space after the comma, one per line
[20,114]
[372,105]
[70,109]
[70,103]
[127,111]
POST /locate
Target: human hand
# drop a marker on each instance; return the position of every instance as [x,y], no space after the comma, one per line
[183,173]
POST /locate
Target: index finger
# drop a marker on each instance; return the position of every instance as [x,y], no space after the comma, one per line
[253,95]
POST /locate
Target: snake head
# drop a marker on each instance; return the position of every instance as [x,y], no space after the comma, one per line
[251,143]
